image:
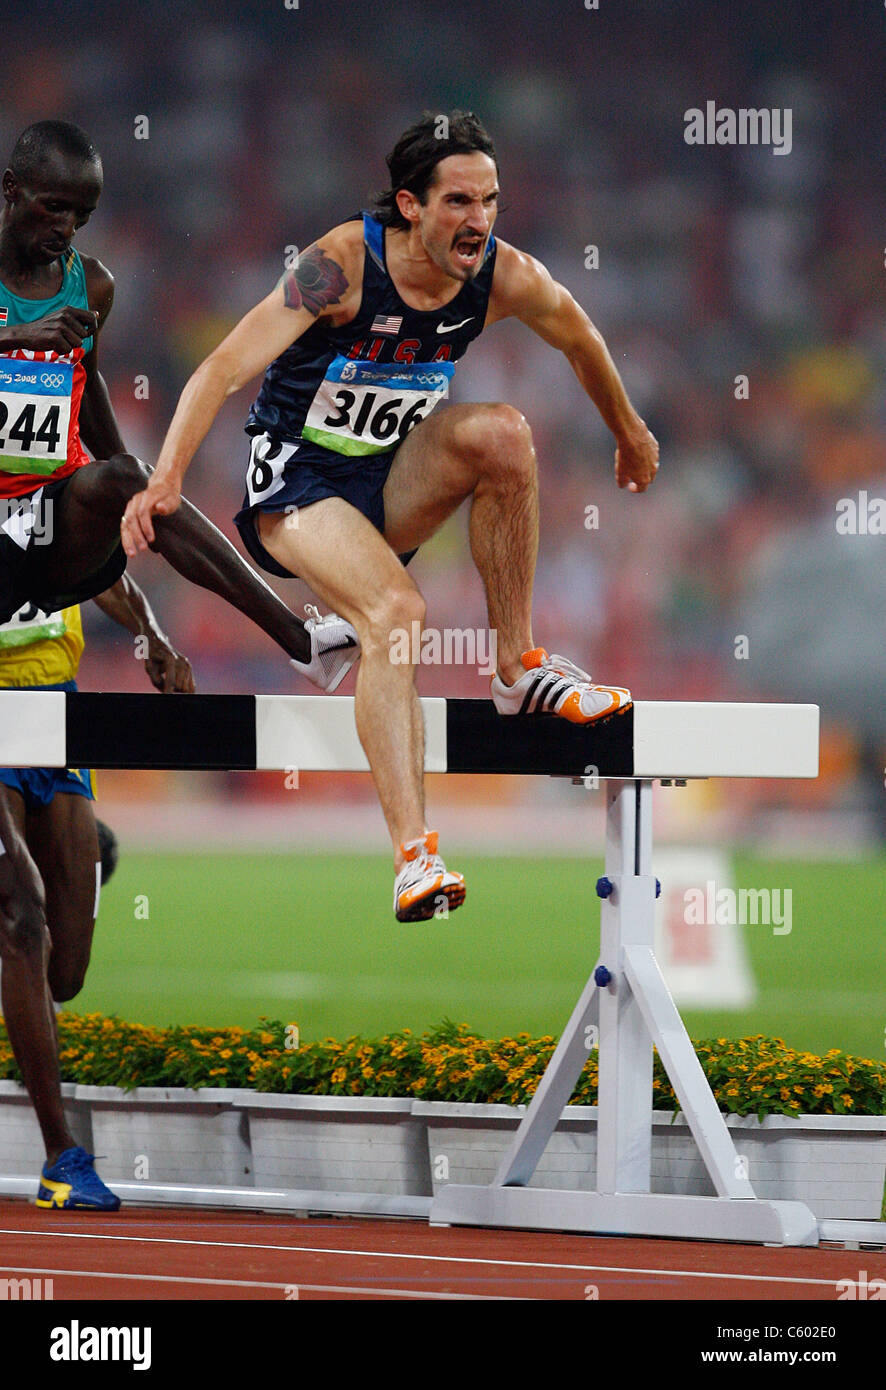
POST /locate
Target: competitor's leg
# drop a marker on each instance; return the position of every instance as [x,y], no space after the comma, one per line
[27,1005]
[87,531]
[64,842]
[484,452]
[351,566]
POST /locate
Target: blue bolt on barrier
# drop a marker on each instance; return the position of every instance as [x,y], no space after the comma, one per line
[602,976]
[604,887]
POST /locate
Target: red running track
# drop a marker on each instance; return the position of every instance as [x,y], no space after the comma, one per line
[176,1254]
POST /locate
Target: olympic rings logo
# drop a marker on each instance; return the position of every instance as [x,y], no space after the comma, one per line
[52,379]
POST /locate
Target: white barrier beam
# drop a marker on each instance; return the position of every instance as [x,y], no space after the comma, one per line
[317,733]
[725,740]
[32,728]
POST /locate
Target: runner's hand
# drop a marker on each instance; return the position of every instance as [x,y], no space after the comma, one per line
[58,332]
[636,459]
[168,670]
[136,527]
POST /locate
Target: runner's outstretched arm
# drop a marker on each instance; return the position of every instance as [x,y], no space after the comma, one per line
[319,282]
[524,289]
[127,605]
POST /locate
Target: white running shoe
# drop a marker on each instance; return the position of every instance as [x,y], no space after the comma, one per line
[334,649]
[553,685]
[424,887]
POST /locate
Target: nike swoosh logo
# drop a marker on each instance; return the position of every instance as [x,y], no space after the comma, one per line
[451,327]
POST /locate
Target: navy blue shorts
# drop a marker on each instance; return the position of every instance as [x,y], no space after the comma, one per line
[285,477]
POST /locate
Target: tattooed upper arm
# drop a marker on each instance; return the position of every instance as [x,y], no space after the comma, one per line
[314,282]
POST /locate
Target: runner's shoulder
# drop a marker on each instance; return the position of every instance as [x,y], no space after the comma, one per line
[344,245]
[99,285]
[328,274]
[517,280]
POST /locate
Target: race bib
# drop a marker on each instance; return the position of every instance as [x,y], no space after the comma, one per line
[370,407]
[35,415]
[31,624]
[267,460]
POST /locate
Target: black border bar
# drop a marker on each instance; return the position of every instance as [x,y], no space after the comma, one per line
[188,732]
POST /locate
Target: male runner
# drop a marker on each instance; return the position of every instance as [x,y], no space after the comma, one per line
[59,543]
[60,520]
[45,941]
[358,344]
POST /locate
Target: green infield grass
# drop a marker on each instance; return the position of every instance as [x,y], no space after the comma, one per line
[312,940]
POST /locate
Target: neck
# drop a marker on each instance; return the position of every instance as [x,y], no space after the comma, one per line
[414,270]
[16,267]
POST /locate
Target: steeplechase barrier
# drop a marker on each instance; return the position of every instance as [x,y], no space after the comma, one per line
[625,1005]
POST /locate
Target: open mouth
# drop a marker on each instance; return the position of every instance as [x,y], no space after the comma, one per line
[468,250]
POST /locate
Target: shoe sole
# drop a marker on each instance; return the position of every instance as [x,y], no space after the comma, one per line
[427,907]
[76,1206]
[346,667]
[551,714]
[598,718]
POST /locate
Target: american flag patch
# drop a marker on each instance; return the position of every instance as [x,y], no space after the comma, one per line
[386,324]
[4,315]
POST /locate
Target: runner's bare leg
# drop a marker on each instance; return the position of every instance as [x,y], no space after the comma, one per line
[484,452]
[87,530]
[27,1004]
[351,566]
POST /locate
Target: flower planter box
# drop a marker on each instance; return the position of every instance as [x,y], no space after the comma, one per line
[169,1135]
[466,1143]
[338,1144]
[836,1164]
[21,1143]
[401,1147]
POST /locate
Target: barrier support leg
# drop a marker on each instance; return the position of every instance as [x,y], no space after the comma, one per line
[635,1009]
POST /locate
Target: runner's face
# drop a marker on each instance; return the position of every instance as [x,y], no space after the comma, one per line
[456,220]
[49,210]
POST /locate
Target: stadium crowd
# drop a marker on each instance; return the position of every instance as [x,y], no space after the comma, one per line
[739,291]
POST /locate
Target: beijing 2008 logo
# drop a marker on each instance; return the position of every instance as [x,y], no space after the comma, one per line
[52,379]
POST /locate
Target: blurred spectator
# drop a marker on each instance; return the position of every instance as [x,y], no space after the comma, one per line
[739,292]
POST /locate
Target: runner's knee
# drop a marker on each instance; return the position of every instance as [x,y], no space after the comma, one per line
[66,979]
[23,932]
[122,476]
[394,611]
[500,437]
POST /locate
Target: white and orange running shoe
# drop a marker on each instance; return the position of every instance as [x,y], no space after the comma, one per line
[424,887]
[553,685]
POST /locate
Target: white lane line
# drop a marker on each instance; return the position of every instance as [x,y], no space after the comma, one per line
[444,1259]
[257,1284]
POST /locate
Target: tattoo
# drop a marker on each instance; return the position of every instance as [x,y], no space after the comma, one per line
[314,282]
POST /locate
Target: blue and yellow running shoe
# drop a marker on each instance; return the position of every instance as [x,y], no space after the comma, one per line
[72,1184]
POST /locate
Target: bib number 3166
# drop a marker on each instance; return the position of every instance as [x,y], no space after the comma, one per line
[380,420]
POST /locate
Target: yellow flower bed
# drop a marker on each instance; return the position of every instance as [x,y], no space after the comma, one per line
[756,1075]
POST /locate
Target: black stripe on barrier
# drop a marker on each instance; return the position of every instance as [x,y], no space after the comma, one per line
[479,739]
[198,732]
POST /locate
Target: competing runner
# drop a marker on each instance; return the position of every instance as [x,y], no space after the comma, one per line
[46,936]
[358,344]
[59,519]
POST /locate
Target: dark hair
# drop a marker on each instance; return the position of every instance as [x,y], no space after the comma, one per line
[414,159]
[36,145]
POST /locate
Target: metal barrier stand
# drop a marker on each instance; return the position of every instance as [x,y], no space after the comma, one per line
[628,1005]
